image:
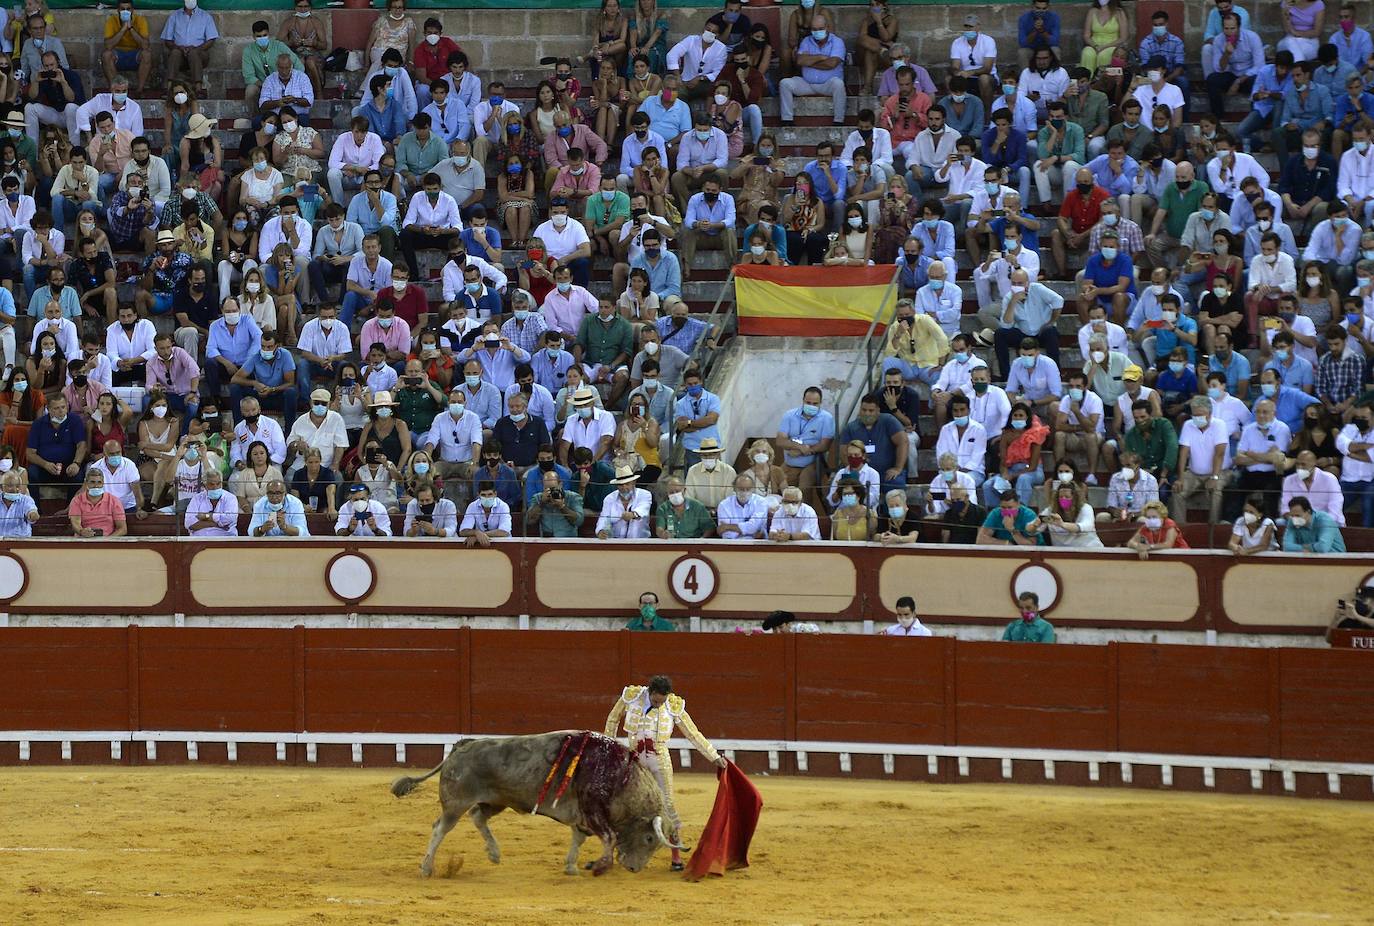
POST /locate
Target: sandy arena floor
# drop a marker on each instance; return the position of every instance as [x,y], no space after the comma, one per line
[256,846]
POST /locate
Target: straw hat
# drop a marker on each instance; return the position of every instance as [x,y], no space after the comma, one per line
[624,474]
[198,126]
[382,398]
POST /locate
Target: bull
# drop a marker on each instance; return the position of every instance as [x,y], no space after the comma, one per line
[482,777]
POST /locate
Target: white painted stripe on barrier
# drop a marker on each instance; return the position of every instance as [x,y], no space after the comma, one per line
[846,765]
[889,763]
[1006,768]
[400,753]
[1049,770]
[231,750]
[1288,768]
[1166,775]
[66,750]
[357,753]
[1209,777]
[192,751]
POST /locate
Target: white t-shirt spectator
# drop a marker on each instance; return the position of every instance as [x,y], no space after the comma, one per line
[1091,405]
[1202,445]
[803,522]
[559,244]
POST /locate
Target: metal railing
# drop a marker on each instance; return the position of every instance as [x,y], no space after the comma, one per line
[868,353]
[703,358]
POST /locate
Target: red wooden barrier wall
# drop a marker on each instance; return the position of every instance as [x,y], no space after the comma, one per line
[1218,701]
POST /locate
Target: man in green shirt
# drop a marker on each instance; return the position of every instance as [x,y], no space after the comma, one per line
[418,399]
[606,212]
[1180,200]
[1088,108]
[591,479]
[419,151]
[557,511]
[680,517]
[1010,524]
[260,59]
[1030,627]
[647,618]
[605,343]
[1154,440]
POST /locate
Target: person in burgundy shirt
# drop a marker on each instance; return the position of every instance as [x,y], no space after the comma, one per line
[1082,209]
[406,298]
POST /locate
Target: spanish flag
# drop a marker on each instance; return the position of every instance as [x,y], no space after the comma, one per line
[813,301]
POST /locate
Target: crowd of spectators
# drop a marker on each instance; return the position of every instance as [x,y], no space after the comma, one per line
[315,311]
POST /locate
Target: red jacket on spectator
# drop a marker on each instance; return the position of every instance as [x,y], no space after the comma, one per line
[410,306]
[432,60]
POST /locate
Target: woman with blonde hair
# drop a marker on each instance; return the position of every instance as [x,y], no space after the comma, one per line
[255,300]
[1157,531]
[769,478]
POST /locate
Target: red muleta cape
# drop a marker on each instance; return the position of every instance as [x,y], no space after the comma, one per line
[725,841]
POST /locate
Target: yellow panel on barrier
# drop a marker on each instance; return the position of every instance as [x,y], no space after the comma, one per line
[813,583]
[247,577]
[128,578]
[1262,595]
[440,577]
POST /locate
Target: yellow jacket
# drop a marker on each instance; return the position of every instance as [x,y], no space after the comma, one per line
[925,346]
[644,721]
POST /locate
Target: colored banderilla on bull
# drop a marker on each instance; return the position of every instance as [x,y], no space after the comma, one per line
[567,774]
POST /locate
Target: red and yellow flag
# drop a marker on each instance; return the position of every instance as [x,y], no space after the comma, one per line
[811,301]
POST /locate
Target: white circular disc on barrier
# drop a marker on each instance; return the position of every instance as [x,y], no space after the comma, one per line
[1040,580]
[12,577]
[351,576]
[693,580]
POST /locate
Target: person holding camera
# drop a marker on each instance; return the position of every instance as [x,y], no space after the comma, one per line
[55,94]
[1353,614]
[362,516]
[557,511]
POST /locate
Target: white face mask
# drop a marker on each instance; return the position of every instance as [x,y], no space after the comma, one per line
[709,463]
[1251,518]
[1128,473]
[791,508]
[251,288]
[179,99]
[721,99]
[1303,473]
[675,498]
[432,39]
[760,458]
[1154,524]
[1099,356]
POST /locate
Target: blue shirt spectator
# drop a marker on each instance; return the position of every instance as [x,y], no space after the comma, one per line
[722,210]
[1213,27]
[778,234]
[1238,369]
[1102,272]
[1353,49]
[827,191]
[1289,403]
[693,408]
[808,430]
[665,273]
[1035,311]
[685,336]
[1170,48]
[1117,184]
[1345,113]
[360,212]
[1334,77]
[1305,107]
[1166,340]
[913,274]
[264,511]
[832,47]
[14,516]
[1010,156]
[1038,29]
[506,481]
[877,441]
[936,243]
[269,372]
[452,124]
[1268,82]
[667,122]
[56,443]
[490,233]
[389,123]
[1294,371]
[1030,238]
[973,120]
[236,345]
[1321,534]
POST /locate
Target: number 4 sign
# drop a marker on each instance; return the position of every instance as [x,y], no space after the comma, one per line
[693,580]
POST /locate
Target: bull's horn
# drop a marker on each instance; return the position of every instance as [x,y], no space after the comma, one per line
[658,830]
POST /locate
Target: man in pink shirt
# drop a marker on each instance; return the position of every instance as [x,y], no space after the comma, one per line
[576,180]
[175,373]
[95,512]
[566,136]
[566,304]
[386,329]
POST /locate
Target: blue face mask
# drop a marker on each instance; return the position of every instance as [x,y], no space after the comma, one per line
[513,168]
[113,460]
[1268,390]
[1019,424]
[214,494]
[819,34]
[522,314]
[961,421]
[1353,318]
[1214,393]
[275,506]
[1160,31]
[1028,362]
[391,71]
[1109,254]
[930,223]
[1207,214]
[97,491]
[970,35]
[564,131]
[1281,354]
[262,40]
[694,391]
[810,411]
[848,501]
[961,357]
[513,128]
[421,468]
[240,224]
[937,285]
[517,418]
[1177,366]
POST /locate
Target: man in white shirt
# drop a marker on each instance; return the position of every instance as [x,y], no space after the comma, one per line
[947,478]
[486,517]
[998,267]
[454,442]
[128,344]
[1355,443]
[1263,446]
[742,515]
[431,220]
[877,140]
[1079,424]
[1099,326]
[1230,409]
[1319,486]
[1154,91]
[1355,178]
[1271,273]
[973,56]
[965,439]
[566,241]
[127,113]
[963,172]
[63,329]
[931,148]
[1230,167]
[954,375]
[1204,461]
[699,59]
[588,426]
[355,152]
[625,512]
[632,232]
[323,345]
[489,120]
[794,519]
[988,404]
[362,515]
[253,426]
[122,479]
[941,299]
[320,428]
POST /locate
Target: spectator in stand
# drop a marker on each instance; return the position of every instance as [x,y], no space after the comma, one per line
[1080,213]
[682,517]
[1087,107]
[821,58]
[1204,461]
[711,479]
[1238,56]
[794,519]
[1157,532]
[1130,490]
[1060,151]
[555,508]
[1035,378]
[1320,487]
[57,448]
[1260,459]
[883,440]
[964,439]
[278,514]
[94,512]
[1354,443]
[625,512]
[1010,523]
[1308,183]
[742,515]
[1311,531]
[1080,425]
[804,436]
[1253,531]
[126,45]
[1035,30]
[188,37]
[1307,106]
[212,512]
[362,515]
[1031,627]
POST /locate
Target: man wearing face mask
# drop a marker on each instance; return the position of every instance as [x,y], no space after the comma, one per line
[1311,531]
[431,221]
[129,342]
[709,222]
[362,515]
[794,519]
[173,373]
[126,115]
[742,515]
[1320,487]
[699,59]
[277,514]
[400,88]
[711,479]
[259,58]
[1335,246]
[554,507]
[188,36]
[454,443]
[625,512]
[949,475]
[1204,461]
[1031,628]
[804,436]
[820,57]
[126,45]
[1261,457]
[1130,490]
[254,426]
[419,151]
[1081,211]
[1355,442]
[567,242]
[1180,200]
[1080,425]
[270,372]
[212,512]
[702,157]
[1308,183]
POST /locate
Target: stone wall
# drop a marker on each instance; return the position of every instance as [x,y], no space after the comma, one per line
[515,40]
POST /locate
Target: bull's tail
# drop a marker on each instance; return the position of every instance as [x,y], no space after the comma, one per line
[406,783]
